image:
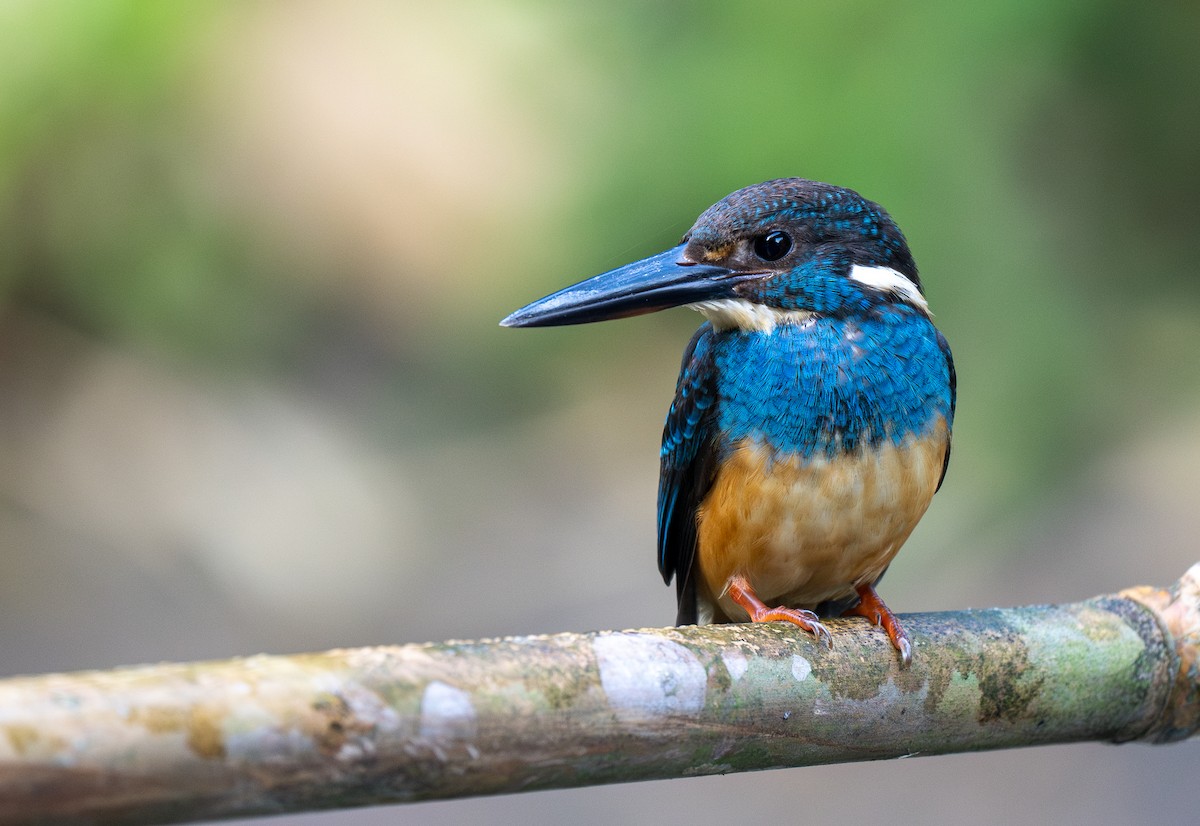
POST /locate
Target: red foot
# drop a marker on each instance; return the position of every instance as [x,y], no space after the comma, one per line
[872,608]
[739,591]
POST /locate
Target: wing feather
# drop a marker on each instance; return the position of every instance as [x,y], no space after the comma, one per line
[687,469]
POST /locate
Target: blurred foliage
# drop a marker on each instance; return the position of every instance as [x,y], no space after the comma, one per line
[106,220]
[1040,155]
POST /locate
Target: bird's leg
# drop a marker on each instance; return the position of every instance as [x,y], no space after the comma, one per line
[739,591]
[872,608]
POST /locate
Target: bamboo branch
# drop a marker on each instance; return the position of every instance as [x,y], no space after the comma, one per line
[266,735]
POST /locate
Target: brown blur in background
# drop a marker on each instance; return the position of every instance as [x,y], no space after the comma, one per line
[253,394]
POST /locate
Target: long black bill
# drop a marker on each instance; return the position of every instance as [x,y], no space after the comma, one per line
[654,283]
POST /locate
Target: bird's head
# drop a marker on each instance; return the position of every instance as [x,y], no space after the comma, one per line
[788,246]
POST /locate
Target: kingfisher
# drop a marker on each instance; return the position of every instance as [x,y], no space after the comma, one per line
[812,415]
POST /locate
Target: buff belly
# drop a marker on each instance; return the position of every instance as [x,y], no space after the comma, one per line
[803,531]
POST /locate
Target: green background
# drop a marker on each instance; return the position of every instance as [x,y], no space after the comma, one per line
[253,395]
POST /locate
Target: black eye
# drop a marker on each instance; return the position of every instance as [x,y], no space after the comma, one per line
[772,246]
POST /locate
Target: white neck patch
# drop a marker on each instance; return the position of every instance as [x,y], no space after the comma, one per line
[740,314]
[887,280]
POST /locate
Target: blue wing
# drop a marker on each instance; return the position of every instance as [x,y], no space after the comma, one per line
[687,469]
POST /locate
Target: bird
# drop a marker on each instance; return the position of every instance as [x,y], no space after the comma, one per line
[812,417]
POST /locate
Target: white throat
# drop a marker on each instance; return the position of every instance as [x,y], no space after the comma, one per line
[740,314]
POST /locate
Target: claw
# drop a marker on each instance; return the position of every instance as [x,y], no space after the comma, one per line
[824,634]
[873,609]
[740,592]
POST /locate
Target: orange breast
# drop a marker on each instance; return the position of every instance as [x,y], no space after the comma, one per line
[806,531]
